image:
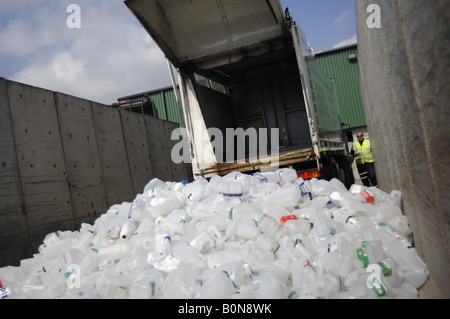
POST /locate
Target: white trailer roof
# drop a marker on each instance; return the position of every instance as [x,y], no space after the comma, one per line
[188,30]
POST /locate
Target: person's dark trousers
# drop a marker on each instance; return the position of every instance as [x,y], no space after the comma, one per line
[371,171]
[367,174]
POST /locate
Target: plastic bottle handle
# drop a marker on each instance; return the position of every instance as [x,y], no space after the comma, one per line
[307,263]
[284,219]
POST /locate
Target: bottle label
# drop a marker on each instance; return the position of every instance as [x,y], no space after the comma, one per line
[292,294]
[214,233]
[231,194]
[254,272]
[332,247]
[230,212]
[304,189]
[151,192]
[355,189]
[153,286]
[305,216]
[321,238]
[4,292]
[362,257]
[331,205]
[157,256]
[377,284]
[262,178]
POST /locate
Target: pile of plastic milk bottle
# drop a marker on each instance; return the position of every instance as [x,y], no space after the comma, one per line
[266,235]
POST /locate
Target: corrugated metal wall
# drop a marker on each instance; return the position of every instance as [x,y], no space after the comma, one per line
[164,101]
[345,77]
[167,106]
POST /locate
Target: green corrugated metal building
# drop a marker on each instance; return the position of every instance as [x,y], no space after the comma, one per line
[341,65]
[160,102]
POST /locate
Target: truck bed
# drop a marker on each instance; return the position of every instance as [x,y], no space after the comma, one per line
[254,164]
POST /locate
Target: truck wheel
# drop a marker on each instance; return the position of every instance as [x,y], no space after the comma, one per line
[339,169]
[345,172]
[329,170]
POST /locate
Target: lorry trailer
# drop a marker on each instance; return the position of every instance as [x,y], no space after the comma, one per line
[253,96]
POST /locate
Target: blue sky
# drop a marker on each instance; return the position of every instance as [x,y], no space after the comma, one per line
[111,55]
[326,23]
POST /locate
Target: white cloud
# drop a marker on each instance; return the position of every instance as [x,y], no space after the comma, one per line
[108,57]
[59,72]
[352,40]
[30,28]
[343,20]
[7,5]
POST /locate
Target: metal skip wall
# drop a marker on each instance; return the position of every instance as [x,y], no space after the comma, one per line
[65,160]
[404,72]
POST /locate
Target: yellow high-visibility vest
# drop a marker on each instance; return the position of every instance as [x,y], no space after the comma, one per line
[363,153]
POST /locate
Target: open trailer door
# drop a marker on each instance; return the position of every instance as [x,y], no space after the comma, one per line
[187,31]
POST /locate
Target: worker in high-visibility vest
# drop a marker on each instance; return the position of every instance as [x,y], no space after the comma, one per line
[362,152]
